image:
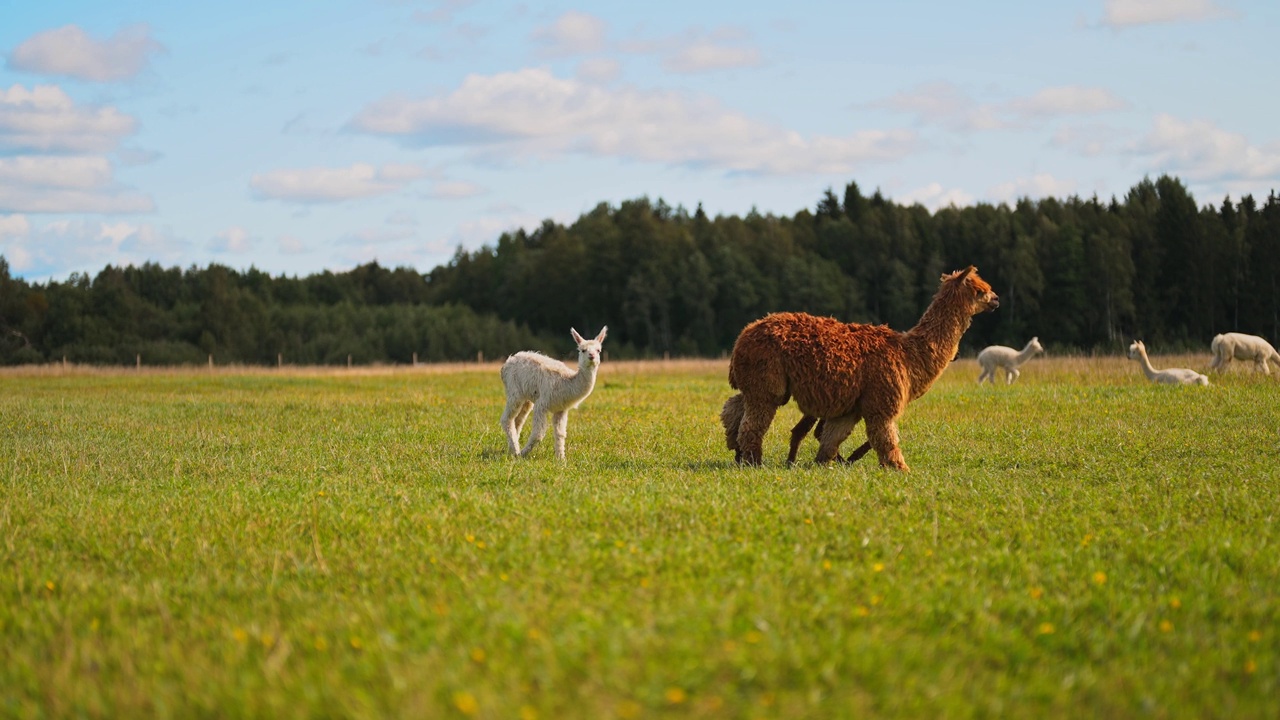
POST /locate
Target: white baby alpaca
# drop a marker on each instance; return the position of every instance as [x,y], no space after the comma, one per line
[545,386]
[1171,376]
[1008,358]
[1238,346]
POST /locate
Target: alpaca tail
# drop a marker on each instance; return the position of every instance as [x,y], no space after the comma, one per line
[1215,347]
[731,417]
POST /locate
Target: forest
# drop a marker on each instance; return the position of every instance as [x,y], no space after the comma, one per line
[1084,275]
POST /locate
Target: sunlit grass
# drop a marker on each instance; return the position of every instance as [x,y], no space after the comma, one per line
[319,543]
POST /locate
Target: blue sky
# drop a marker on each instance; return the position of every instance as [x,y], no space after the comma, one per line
[302,136]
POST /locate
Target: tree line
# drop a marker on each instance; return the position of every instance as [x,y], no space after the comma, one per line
[1080,273]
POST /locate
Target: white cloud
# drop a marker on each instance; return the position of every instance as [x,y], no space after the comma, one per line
[947,105]
[532,113]
[1037,186]
[704,55]
[14,226]
[1066,100]
[1199,150]
[60,247]
[44,118]
[64,184]
[697,50]
[934,196]
[1086,140]
[234,239]
[598,70]
[573,33]
[69,51]
[291,244]
[329,185]
[1127,13]
[55,171]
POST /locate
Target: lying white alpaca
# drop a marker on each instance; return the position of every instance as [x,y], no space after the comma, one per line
[1171,376]
[1008,358]
[1238,346]
[544,385]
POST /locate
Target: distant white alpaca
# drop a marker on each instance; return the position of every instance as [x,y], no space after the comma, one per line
[546,386]
[1171,376]
[1008,358]
[1238,346]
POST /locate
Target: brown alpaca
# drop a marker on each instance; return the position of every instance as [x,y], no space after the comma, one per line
[845,372]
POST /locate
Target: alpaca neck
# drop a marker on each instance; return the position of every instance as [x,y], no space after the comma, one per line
[1147,370]
[932,343]
[582,383]
[1027,353]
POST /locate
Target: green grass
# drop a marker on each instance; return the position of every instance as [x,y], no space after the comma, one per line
[305,544]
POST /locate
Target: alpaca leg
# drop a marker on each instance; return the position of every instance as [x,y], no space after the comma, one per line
[731,418]
[817,435]
[756,418]
[522,415]
[883,435]
[1014,374]
[797,434]
[856,455]
[512,420]
[561,423]
[537,432]
[834,432]
[986,373]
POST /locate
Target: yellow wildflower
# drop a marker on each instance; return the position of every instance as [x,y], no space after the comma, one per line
[466,703]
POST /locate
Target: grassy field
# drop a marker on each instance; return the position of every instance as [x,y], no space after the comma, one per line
[356,543]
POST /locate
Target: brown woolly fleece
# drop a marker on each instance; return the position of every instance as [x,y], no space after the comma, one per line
[845,372]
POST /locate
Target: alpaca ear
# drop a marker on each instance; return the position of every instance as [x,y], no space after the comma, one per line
[965,273]
[603,331]
[576,337]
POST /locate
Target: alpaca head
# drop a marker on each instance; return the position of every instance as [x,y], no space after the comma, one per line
[1136,349]
[589,350]
[972,289]
[1035,345]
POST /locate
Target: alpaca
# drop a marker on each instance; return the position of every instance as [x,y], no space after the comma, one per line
[544,385]
[1006,358]
[1171,376]
[1238,346]
[846,373]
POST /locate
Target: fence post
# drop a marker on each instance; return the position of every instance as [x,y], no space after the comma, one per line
[415,359]
[279,360]
[480,356]
[139,361]
[210,361]
[348,361]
